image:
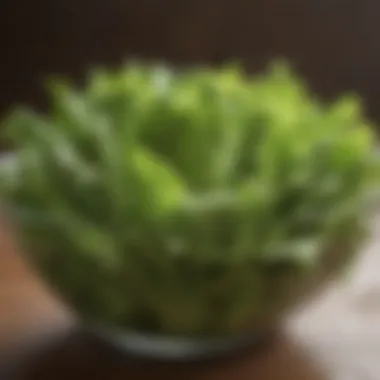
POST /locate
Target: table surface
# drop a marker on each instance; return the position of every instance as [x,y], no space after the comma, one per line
[336,336]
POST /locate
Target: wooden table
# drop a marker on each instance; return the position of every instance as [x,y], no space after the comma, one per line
[337,336]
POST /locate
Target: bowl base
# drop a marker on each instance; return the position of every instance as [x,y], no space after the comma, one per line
[165,348]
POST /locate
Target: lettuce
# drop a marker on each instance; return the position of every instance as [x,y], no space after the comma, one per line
[150,188]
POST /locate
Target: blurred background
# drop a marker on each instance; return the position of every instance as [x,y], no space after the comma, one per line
[333,43]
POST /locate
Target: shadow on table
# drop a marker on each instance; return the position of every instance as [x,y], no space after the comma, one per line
[78,356]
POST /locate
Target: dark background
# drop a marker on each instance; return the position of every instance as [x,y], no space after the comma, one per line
[334,43]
